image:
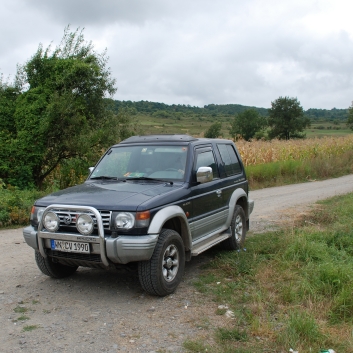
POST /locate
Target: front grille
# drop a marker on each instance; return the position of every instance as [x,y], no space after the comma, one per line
[68,218]
[74,256]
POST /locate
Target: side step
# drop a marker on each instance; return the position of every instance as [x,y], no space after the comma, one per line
[209,242]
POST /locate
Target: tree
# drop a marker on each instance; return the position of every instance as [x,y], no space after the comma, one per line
[247,124]
[214,130]
[286,119]
[63,110]
[350,117]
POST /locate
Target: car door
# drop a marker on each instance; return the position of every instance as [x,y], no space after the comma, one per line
[232,174]
[206,198]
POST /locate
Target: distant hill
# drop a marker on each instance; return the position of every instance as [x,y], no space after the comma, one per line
[220,110]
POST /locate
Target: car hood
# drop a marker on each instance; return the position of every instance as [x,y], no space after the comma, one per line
[110,195]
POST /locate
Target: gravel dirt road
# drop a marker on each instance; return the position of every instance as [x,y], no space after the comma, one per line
[107,311]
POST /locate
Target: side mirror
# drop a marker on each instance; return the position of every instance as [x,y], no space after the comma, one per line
[90,169]
[204,175]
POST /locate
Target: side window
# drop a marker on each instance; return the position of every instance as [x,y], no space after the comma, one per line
[206,159]
[230,159]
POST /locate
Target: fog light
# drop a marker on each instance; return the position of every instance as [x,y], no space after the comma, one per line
[85,224]
[51,221]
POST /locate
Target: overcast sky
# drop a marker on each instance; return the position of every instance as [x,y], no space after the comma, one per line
[199,52]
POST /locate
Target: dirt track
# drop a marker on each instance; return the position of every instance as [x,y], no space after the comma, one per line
[106,311]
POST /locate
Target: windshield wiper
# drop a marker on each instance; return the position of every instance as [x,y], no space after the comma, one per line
[147,178]
[105,177]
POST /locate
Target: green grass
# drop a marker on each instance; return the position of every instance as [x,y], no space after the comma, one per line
[327,128]
[20,309]
[23,318]
[290,289]
[29,328]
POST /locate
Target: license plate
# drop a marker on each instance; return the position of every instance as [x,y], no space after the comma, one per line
[69,246]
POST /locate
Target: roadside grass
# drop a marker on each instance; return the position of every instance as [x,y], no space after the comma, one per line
[290,289]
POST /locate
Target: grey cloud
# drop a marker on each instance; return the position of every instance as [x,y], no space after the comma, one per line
[194,52]
[103,12]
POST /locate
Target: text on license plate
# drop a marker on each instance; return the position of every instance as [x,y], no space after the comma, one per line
[69,246]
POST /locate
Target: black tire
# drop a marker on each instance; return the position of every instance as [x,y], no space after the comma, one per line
[238,229]
[162,274]
[53,269]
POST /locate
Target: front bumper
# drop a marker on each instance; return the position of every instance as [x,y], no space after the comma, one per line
[119,250]
[104,249]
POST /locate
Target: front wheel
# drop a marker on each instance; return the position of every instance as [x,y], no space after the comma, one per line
[162,274]
[53,269]
[238,229]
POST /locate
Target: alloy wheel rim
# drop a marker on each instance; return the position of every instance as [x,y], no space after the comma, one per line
[238,228]
[170,263]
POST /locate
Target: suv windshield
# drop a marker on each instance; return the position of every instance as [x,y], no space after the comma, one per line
[154,162]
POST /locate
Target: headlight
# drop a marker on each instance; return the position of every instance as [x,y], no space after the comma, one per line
[124,220]
[51,221]
[85,224]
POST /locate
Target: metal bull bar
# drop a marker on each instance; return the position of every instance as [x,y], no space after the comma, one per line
[72,237]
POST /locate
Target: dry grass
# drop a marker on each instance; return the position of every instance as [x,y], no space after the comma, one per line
[260,152]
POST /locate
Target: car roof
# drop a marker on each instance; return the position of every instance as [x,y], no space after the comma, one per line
[169,138]
[159,138]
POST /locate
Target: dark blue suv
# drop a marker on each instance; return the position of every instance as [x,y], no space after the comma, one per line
[155,200]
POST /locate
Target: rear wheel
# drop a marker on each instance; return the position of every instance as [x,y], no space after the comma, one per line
[238,229]
[53,269]
[162,274]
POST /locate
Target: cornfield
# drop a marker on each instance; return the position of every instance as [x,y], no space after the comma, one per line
[260,152]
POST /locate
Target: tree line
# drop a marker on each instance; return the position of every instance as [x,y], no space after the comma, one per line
[218,110]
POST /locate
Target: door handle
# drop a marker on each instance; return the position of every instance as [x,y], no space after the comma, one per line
[219,193]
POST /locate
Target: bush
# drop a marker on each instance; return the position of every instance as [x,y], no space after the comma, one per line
[15,205]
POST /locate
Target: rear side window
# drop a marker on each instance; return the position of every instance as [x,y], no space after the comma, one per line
[230,159]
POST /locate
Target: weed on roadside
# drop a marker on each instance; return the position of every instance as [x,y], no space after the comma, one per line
[29,328]
[23,318]
[20,309]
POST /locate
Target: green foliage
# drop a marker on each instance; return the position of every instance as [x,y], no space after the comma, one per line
[332,115]
[247,124]
[286,119]
[15,206]
[161,109]
[214,130]
[350,117]
[57,110]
